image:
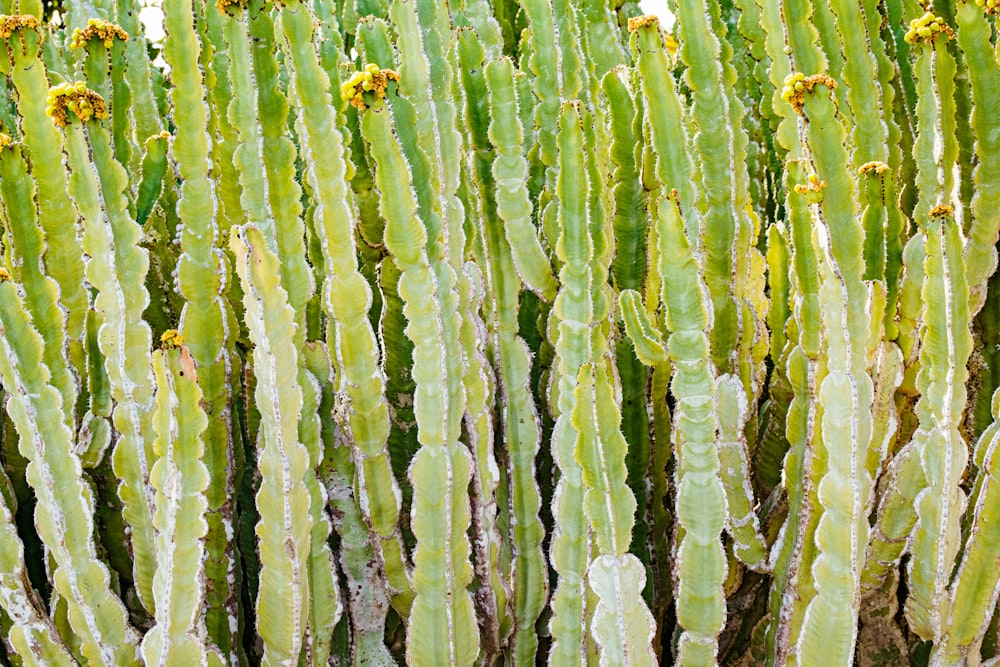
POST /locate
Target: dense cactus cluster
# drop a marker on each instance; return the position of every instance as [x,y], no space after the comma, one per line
[370,332]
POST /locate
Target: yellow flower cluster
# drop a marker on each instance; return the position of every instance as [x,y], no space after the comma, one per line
[171,339]
[869,167]
[991,6]
[928,28]
[75,97]
[224,5]
[11,24]
[4,274]
[812,189]
[5,140]
[942,211]
[798,84]
[370,79]
[637,22]
[103,31]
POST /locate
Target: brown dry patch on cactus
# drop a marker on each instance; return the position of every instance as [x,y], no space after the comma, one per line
[76,98]
[798,85]
[99,30]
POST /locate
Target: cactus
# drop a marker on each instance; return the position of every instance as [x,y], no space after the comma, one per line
[496,333]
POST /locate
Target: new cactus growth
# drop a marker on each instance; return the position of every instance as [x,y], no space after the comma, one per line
[462,333]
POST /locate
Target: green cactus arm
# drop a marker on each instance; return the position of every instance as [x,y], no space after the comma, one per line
[984,79]
[829,627]
[869,133]
[179,479]
[935,113]
[631,216]
[663,109]
[911,309]
[946,345]
[366,583]
[117,270]
[441,624]
[976,586]
[742,523]
[57,217]
[242,116]
[610,507]
[510,173]
[601,40]
[544,63]
[700,565]
[28,247]
[571,316]
[346,296]
[888,374]
[65,510]
[600,452]
[787,603]
[649,346]
[529,586]
[622,625]
[786,136]
[32,633]
[780,290]
[154,168]
[802,36]
[216,65]
[494,620]
[325,606]
[277,152]
[207,323]
[283,499]
[700,51]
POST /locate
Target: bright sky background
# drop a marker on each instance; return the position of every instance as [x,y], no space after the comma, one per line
[152,16]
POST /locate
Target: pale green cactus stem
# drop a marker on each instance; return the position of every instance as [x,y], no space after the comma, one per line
[845,393]
[801,37]
[510,173]
[26,251]
[31,632]
[976,586]
[368,591]
[522,432]
[786,136]
[787,603]
[207,322]
[863,93]
[346,299]
[65,510]
[983,230]
[283,499]
[179,479]
[663,110]
[56,219]
[936,149]
[700,565]
[946,344]
[117,268]
[571,319]
[442,627]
